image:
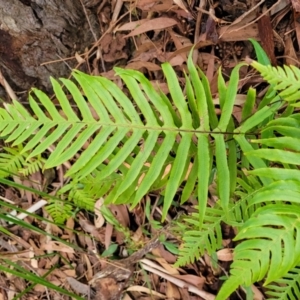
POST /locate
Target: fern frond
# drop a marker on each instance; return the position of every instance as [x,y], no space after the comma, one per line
[269,247]
[59,210]
[287,287]
[196,242]
[11,161]
[116,131]
[284,79]
[32,165]
[208,239]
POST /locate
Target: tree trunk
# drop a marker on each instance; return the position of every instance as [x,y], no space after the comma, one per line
[33,32]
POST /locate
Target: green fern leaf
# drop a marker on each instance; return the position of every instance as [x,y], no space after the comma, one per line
[197,242]
[286,287]
[59,210]
[119,125]
[11,161]
[284,79]
[269,247]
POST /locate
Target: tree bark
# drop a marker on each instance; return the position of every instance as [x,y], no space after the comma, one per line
[33,32]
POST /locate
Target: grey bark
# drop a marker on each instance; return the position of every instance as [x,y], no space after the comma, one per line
[36,31]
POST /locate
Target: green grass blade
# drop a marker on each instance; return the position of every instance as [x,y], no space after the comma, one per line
[261,55]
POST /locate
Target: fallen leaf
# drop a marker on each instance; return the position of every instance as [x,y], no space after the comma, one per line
[225,254]
[153,24]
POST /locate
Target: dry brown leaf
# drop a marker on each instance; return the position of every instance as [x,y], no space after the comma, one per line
[121,214]
[162,6]
[88,227]
[225,254]
[89,271]
[172,291]
[138,235]
[282,5]
[168,268]
[131,25]
[169,257]
[266,37]
[108,235]
[78,287]
[195,280]
[237,113]
[57,246]
[79,59]
[153,24]
[138,65]
[258,295]
[290,52]
[99,219]
[181,5]
[186,49]
[143,289]
[145,4]
[177,60]
[236,34]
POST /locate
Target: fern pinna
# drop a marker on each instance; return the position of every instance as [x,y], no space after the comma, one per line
[147,141]
[116,130]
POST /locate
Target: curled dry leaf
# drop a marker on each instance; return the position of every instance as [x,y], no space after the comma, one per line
[154,24]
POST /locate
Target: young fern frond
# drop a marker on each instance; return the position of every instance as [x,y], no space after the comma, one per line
[197,242]
[287,287]
[269,247]
[59,210]
[286,80]
[11,161]
[208,239]
[32,165]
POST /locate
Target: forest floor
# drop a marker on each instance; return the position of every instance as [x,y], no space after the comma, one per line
[142,35]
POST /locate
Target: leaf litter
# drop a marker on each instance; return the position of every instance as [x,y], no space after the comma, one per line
[141,35]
